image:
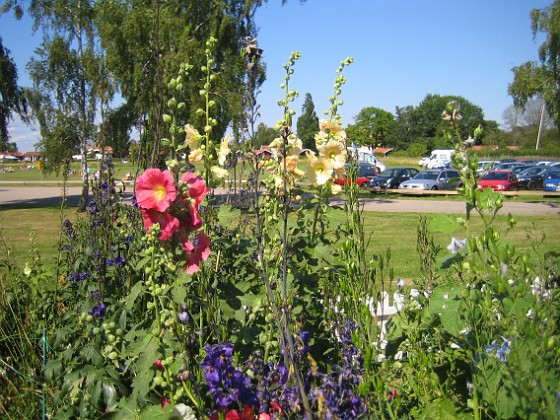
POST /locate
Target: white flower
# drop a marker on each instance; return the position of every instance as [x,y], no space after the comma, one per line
[400,282]
[456,245]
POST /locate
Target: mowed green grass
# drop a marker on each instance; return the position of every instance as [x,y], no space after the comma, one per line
[394,231]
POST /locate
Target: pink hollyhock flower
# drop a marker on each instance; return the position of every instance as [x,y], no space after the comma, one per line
[155,189]
[196,187]
[159,365]
[198,250]
[168,224]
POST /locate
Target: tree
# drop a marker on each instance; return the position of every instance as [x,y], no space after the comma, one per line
[371,126]
[65,75]
[147,41]
[12,99]
[541,78]
[264,135]
[308,123]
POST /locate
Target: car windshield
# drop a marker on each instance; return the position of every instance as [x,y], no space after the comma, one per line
[531,171]
[427,175]
[390,173]
[553,175]
[496,176]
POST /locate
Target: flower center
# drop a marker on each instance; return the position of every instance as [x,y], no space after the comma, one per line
[159,192]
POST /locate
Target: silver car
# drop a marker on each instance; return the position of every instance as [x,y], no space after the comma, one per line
[447,179]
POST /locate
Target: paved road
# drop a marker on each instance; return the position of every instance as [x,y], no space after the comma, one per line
[14,196]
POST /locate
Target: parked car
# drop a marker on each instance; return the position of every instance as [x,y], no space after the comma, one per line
[552,179]
[391,178]
[499,180]
[531,178]
[447,179]
[510,166]
[484,165]
[366,172]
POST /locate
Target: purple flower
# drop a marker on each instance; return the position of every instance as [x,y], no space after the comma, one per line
[227,384]
[183,316]
[77,277]
[98,310]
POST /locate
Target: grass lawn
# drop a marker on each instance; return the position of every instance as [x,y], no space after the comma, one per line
[396,231]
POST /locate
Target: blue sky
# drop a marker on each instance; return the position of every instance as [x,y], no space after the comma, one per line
[402,50]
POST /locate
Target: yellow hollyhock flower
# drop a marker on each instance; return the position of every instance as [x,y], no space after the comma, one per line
[335,151]
[196,156]
[224,150]
[192,137]
[322,168]
[218,172]
[336,189]
[291,162]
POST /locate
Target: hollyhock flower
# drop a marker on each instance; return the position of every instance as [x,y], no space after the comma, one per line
[168,224]
[155,189]
[336,189]
[218,172]
[196,187]
[335,151]
[198,250]
[291,162]
[322,168]
[164,401]
[159,365]
[192,137]
[224,150]
[196,156]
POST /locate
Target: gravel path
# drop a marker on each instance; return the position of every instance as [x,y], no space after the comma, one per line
[51,196]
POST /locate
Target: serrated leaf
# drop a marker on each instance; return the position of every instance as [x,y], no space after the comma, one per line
[133,294]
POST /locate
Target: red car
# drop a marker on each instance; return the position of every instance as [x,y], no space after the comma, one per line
[366,173]
[499,181]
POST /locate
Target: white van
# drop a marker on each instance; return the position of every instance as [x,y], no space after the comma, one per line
[439,158]
[365,155]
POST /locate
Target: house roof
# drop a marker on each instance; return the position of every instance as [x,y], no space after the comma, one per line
[383,150]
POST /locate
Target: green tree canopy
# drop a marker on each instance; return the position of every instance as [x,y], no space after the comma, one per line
[424,123]
[541,78]
[371,126]
[308,123]
[12,99]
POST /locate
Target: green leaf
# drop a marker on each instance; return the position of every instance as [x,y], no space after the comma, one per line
[445,301]
[441,409]
[443,224]
[133,294]
[227,214]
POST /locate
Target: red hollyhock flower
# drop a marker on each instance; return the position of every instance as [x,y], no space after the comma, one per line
[198,250]
[168,224]
[196,187]
[155,189]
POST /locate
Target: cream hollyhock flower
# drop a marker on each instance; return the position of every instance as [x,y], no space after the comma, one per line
[336,189]
[192,137]
[298,173]
[295,145]
[224,150]
[218,172]
[196,156]
[332,128]
[320,139]
[335,151]
[322,168]
[291,163]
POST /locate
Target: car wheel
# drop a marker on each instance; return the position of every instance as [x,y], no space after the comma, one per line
[532,185]
[434,188]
